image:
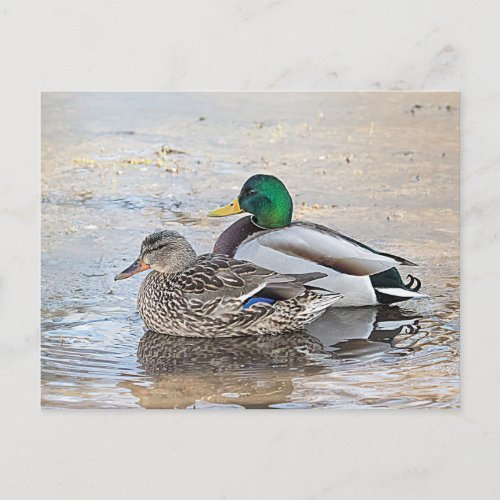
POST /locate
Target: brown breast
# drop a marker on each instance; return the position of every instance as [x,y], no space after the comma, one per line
[230,239]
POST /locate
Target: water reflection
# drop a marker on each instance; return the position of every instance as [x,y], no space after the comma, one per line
[380,324]
[159,353]
[250,372]
[258,372]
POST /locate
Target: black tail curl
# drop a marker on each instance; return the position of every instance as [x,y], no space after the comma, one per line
[414,284]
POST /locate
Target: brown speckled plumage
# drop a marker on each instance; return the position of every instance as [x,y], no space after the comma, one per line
[206,301]
[206,298]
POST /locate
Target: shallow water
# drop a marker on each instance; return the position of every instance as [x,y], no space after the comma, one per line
[382,167]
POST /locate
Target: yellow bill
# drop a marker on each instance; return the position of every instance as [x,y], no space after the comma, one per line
[231,209]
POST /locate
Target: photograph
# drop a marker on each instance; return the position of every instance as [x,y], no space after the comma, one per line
[250,250]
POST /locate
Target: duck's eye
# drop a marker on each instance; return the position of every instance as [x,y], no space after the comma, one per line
[251,192]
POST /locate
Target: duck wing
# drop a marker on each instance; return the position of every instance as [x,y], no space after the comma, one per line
[321,245]
[218,276]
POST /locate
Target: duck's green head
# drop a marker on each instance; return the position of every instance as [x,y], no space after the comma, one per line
[266,198]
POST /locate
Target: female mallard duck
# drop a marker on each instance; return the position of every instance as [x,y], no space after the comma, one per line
[269,238]
[217,296]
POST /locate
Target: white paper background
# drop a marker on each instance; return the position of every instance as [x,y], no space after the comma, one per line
[196,45]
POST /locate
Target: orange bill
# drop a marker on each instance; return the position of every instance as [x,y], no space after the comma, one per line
[138,266]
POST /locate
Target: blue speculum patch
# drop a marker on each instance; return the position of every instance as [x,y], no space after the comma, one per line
[256,300]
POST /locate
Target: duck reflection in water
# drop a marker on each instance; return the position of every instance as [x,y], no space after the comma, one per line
[360,332]
[257,372]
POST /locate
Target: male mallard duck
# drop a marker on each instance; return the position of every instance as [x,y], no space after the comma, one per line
[217,296]
[269,238]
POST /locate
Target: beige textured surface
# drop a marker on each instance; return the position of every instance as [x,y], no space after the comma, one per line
[248,45]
